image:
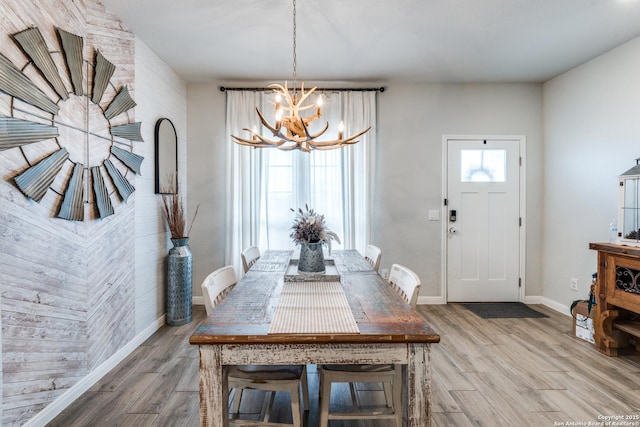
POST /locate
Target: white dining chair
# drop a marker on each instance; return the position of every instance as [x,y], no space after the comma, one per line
[407,284]
[216,286]
[373,254]
[272,378]
[249,256]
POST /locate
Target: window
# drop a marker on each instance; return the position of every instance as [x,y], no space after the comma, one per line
[293,179]
[264,184]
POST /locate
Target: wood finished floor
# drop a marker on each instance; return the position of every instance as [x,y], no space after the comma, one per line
[496,372]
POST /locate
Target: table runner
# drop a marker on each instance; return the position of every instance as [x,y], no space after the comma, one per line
[313,308]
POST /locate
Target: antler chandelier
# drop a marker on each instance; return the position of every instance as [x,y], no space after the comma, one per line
[291,131]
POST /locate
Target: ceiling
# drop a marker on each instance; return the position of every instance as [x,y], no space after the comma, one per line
[379,40]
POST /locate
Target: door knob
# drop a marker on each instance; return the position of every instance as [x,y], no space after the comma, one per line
[453,230]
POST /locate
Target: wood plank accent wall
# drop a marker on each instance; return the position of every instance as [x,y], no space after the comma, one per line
[165,95]
[67,288]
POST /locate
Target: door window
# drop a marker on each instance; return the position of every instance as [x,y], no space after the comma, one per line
[483,165]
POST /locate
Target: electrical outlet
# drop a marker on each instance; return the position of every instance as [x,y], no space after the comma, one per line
[385,273]
[574,284]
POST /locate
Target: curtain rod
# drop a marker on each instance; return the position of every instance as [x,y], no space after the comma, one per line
[342,89]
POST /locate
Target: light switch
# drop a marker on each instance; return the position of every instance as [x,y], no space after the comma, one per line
[434,215]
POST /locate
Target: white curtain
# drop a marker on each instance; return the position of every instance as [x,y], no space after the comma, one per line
[244,173]
[359,164]
[265,183]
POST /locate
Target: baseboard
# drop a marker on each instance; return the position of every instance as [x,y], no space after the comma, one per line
[560,308]
[533,300]
[430,300]
[197,300]
[57,406]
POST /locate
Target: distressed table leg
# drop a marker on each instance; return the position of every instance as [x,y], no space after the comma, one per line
[419,386]
[214,389]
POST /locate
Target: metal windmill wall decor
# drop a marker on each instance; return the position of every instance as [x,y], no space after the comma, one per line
[58,95]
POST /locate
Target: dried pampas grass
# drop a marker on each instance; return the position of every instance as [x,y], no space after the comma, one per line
[173,211]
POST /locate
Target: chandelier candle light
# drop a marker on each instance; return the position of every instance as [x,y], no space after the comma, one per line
[291,131]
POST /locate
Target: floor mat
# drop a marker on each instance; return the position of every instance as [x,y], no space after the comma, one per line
[502,310]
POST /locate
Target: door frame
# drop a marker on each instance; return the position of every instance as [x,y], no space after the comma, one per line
[522,142]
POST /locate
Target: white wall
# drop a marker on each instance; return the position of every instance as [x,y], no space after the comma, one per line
[411,121]
[591,127]
[206,169]
[592,134]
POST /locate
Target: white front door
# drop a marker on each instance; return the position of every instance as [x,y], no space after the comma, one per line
[483,220]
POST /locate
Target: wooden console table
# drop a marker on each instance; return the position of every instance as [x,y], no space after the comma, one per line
[617,310]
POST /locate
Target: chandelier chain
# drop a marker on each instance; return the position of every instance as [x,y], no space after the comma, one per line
[294,47]
[291,130]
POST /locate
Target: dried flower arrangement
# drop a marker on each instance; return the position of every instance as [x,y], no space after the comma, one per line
[310,227]
[173,211]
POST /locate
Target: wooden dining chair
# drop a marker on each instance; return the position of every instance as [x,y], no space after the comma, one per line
[373,254]
[249,256]
[272,378]
[407,284]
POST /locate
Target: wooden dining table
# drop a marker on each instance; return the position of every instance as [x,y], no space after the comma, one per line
[388,331]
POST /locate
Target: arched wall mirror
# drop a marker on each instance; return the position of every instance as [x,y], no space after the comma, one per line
[166,157]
